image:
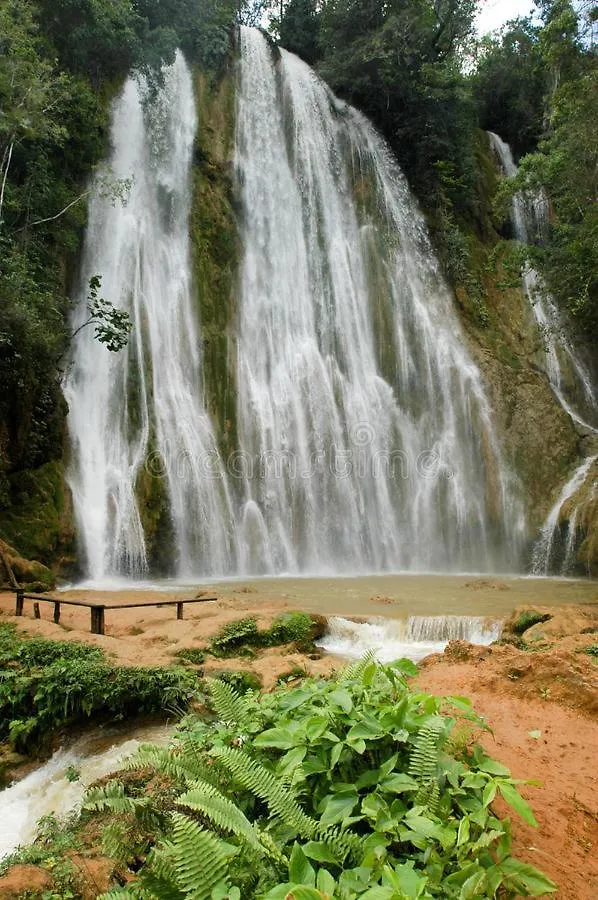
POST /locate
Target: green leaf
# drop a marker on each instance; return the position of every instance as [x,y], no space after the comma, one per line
[398,783]
[300,869]
[337,807]
[281,738]
[325,882]
[489,793]
[336,754]
[493,767]
[512,796]
[528,877]
[341,697]
[406,666]
[319,851]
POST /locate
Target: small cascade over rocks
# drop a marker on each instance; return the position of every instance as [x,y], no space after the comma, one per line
[58,786]
[412,638]
[567,372]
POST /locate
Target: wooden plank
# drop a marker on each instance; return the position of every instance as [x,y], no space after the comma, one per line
[36,612]
[179,610]
[19,604]
[97,619]
[56,612]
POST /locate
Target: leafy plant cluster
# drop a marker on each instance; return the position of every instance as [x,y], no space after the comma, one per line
[242,636]
[353,787]
[55,840]
[47,685]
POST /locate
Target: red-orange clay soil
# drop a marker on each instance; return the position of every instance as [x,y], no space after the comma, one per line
[539,694]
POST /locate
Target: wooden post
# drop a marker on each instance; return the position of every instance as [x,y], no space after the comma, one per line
[56,612]
[97,619]
[179,610]
[36,612]
[20,601]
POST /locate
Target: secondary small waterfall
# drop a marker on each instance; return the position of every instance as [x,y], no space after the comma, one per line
[566,370]
[143,407]
[365,438]
[413,638]
[363,422]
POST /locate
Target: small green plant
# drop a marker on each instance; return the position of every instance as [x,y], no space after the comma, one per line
[192,656]
[233,635]
[241,680]
[592,650]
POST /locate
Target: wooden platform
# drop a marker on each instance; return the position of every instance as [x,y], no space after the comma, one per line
[98,610]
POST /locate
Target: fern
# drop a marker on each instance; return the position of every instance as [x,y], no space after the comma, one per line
[344,844]
[199,858]
[229,706]
[423,763]
[112,798]
[222,812]
[253,776]
[355,671]
[184,764]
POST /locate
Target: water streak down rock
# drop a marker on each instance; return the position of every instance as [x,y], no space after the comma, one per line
[567,373]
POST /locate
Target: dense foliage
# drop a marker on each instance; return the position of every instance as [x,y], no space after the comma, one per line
[342,788]
[47,685]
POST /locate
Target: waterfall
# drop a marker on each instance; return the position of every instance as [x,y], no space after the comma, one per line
[365,438]
[562,363]
[413,638]
[363,424]
[140,411]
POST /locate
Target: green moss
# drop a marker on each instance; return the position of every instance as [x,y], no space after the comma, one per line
[215,247]
[154,511]
[38,522]
[527,619]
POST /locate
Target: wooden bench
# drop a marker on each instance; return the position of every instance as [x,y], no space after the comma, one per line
[98,610]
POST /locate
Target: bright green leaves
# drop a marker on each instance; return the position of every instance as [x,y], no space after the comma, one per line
[343,789]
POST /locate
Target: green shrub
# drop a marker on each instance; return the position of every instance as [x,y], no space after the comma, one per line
[343,788]
[47,685]
[242,635]
[241,680]
[191,656]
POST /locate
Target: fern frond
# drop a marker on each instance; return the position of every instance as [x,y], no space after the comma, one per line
[222,812]
[265,785]
[423,763]
[344,844]
[181,764]
[159,876]
[111,797]
[354,672]
[200,859]
[122,893]
[428,796]
[230,707]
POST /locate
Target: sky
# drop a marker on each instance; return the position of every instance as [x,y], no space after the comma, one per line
[494,13]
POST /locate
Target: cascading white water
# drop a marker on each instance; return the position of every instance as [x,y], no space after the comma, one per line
[143,406]
[364,427]
[58,786]
[412,638]
[569,376]
[365,436]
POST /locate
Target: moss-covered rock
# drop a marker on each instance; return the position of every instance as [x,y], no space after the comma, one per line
[215,247]
[38,521]
[29,574]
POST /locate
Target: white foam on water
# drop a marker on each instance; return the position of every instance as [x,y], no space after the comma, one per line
[412,638]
